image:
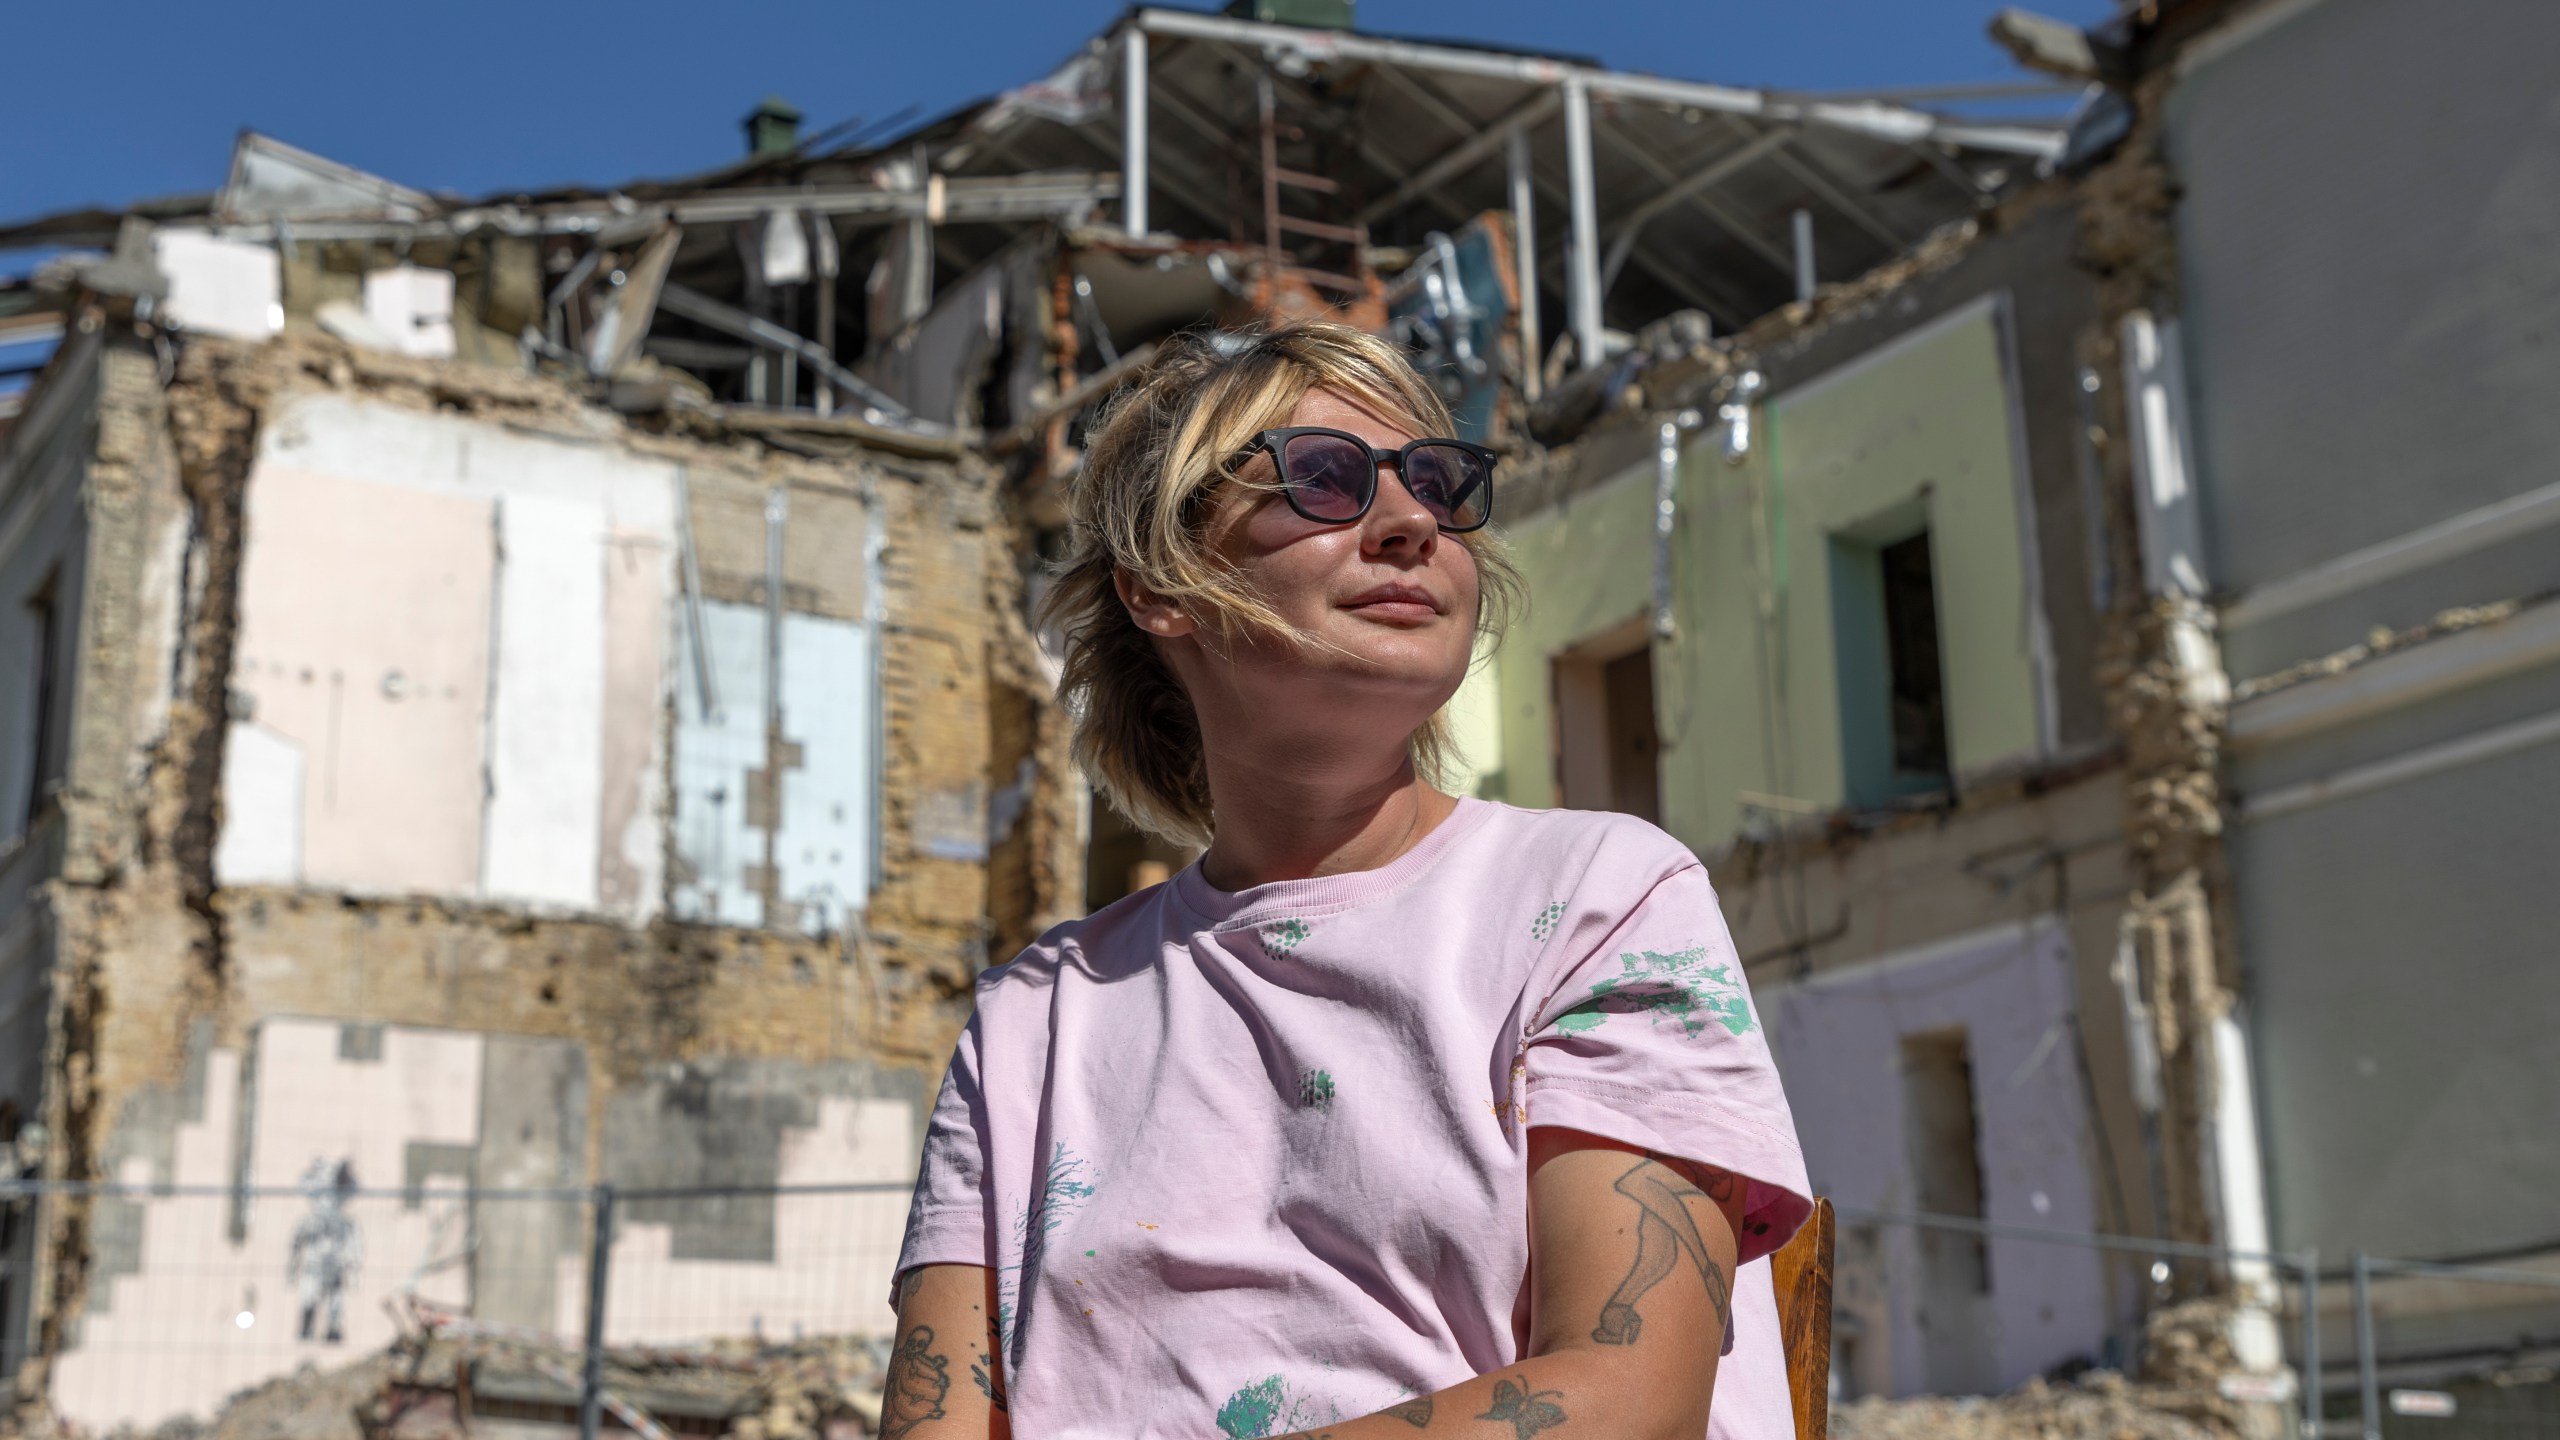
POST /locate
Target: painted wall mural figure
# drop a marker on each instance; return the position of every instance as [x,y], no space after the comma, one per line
[327,1250]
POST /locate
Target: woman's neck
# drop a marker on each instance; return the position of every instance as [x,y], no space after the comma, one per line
[1302,821]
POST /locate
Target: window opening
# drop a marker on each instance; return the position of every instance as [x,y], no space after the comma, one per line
[1911,656]
[1889,651]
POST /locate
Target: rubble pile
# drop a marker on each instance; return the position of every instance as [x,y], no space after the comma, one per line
[807,1391]
[427,1384]
[2176,1396]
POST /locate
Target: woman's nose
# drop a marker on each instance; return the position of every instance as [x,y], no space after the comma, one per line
[1396,517]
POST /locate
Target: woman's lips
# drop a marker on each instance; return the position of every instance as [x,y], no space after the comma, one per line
[1394,602]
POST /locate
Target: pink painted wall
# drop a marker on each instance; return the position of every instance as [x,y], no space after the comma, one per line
[364,642]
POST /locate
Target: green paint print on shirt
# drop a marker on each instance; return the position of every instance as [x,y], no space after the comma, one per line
[1680,990]
[1065,1186]
[1282,936]
[1315,1090]
[1270,1406]
[1548,919]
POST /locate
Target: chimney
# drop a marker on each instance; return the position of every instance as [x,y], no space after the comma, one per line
[773,128]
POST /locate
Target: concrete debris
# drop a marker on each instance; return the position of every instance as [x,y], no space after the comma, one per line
[434,1382]
[2101,1405]
[2175,1396]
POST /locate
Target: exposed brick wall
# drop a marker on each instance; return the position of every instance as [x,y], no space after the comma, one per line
[154,959]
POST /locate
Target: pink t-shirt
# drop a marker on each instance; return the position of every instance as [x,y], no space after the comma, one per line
[1249,1162]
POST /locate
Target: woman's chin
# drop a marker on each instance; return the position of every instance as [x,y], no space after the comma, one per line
[1385,674]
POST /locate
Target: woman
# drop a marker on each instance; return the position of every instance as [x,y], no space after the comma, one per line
[1396,1112]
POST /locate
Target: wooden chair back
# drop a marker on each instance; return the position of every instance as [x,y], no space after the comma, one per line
[1803,1273]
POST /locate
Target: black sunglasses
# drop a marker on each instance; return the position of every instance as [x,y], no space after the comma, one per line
[1331,476]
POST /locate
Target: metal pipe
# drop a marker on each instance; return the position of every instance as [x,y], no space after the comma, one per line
[703,310]
[1805,281]
[1582,262]
[1524,247]
[705,690]
[1133,130]
[875,621]
[1267,106]
[777,514]
[1666,515]
[599,1266]
[2310,1371]
[2368,1380]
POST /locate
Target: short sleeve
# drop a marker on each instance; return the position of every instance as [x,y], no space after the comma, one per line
[1648,1036]
[947,1219]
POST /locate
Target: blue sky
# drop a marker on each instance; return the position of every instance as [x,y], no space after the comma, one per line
[110,103]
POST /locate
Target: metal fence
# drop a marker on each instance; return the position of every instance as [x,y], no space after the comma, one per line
[195,1294]
[2460,1365]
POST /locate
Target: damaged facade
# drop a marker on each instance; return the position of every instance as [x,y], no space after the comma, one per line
[2108,678]
[567,655]
[436,763]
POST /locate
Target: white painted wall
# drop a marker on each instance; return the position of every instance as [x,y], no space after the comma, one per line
[220,287]
[546,717]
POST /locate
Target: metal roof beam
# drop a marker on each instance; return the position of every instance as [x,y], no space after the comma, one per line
[1896,123]
[1645,159]
[1671,276]
[1723,167]
[1490,137]
[1864,217]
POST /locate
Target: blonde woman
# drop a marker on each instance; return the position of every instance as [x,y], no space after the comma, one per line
[1397,1113]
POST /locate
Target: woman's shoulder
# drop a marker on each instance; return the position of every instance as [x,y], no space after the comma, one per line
[1572,844]
[1125,934]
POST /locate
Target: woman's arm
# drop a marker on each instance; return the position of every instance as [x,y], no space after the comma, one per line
[1631,1291]
[946,1376]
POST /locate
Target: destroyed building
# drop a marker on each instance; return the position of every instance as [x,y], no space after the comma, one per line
[537,690]
[2107,675]
[449,750]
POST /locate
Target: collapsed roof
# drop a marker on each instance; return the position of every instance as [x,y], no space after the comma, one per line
[1173,138]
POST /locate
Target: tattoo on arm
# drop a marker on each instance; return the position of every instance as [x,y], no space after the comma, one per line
[918,1379]
[1525,1410]
[1415,1412]
[1665,1233]
[990,1381]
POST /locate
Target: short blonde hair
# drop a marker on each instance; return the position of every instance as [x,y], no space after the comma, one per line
[1155,469]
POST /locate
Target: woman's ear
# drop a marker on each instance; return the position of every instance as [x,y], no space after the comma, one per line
[1154,613]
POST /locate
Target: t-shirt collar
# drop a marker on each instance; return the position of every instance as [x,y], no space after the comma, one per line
[1227,908]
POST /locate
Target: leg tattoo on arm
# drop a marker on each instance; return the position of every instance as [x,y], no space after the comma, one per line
[918,1379]
[1665,1233]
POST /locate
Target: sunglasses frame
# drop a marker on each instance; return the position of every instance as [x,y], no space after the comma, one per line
[1274,440]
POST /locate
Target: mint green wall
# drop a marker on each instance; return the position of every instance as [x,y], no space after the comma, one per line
[1747,690]
[1589,568]
[1929,413]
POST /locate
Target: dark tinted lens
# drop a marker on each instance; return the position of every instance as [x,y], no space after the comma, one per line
[1328,477]
[1455,485]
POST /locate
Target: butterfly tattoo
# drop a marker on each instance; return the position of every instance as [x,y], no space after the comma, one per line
[1527,1411]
